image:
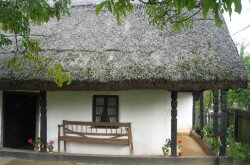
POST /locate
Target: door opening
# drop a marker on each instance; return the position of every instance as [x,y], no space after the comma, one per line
[19,119]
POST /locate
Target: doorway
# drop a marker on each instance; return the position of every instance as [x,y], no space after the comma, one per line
[20,110]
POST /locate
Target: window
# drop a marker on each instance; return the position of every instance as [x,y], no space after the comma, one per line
[105,108]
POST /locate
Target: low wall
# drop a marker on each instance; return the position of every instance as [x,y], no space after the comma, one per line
[117,160]
[204,145]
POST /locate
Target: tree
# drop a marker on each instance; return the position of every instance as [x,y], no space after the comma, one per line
[16,18]
[241,96]
[178,13]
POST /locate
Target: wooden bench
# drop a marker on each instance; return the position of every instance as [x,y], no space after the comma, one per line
[95,132]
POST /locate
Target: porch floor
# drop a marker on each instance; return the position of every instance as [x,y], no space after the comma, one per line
[190,146]
[21,157]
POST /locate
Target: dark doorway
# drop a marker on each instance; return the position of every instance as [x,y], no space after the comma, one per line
[19,119]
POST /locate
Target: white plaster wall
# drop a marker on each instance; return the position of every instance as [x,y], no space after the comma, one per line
[184,112]
[149,111]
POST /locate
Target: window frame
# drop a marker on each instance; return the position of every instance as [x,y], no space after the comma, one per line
[105,106]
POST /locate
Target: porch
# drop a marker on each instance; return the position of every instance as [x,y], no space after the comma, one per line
[164,126]
[108,159]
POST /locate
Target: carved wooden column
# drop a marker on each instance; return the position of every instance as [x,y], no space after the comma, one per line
[215,115]
[223,122]
[173,123]
[43,111]
[194,98]
[201,111]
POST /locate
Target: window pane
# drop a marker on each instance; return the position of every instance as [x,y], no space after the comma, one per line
[98,118]
[105,119]
[113,119]
[99,110]
[112,110]
[112,101]
[105,108]
[100,101]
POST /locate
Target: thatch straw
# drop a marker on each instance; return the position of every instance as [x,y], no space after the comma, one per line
[100,55]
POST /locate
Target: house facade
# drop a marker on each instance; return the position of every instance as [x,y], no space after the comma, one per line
[135,73]
[147,110]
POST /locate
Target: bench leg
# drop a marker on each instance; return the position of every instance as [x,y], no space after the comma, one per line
[58,145]
[131,149]
[65,147]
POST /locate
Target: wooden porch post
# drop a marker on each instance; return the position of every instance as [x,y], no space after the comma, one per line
[43,110]
[194,98]
[215,115]
[201,111]
[223,122]
[173,123]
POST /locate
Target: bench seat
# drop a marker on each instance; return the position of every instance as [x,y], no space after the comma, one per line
[95,132]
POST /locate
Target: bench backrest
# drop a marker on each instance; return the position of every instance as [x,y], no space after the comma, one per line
[80,128]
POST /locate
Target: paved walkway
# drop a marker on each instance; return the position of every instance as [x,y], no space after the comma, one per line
[190,146]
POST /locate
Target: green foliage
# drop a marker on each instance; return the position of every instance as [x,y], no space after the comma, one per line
[13,63]
[4,41]
[118,8]
[246,60]
[179,13]
[230,131]
[158,15]
[89,71]
[237,150]
[16,17]
[207,101]
[166,145]
[60,77]
[29,51]
[216,143]
[241,96]
[207,130]
[207,133]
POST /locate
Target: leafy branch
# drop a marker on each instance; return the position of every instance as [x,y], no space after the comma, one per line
[179,13]
[16,17]
[118,8]
[60,77]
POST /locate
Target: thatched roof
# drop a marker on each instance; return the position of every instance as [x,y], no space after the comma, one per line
[100,55]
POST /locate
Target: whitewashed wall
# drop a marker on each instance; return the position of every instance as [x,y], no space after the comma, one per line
[184,112]
[147,110]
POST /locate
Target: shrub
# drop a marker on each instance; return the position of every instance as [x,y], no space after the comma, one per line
[237,150]
[207,131]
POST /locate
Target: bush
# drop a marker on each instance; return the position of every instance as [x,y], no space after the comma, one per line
[237,150]
[207,131]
